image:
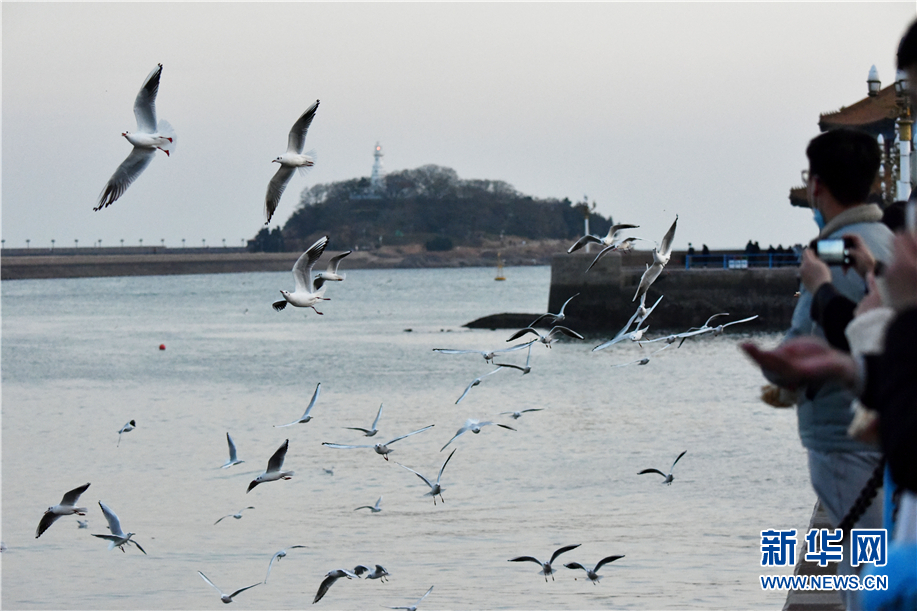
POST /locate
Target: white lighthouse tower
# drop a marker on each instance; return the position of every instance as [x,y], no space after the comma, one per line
[375,180]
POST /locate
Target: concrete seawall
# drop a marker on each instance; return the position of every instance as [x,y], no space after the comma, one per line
[690,296]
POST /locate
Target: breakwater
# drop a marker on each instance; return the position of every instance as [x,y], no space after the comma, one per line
[690,296]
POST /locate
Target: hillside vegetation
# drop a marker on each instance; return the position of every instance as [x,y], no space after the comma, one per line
[429,205]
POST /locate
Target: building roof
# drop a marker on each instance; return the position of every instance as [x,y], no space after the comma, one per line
[875,114]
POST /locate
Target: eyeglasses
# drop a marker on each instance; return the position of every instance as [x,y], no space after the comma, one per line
[805,177]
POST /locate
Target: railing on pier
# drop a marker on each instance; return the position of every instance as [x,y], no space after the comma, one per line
[742,261]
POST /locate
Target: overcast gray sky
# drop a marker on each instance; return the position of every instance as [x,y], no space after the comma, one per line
[703,110]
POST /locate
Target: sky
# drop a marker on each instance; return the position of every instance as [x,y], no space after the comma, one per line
[702,110]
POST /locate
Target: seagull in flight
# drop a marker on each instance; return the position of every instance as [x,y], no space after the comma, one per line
[226,598]
[277,556]
[715,331]
[150,135]
[619,245]
[546,568]
[233,458]
[291,160]
[645,360]
[83,523]
[237,515]
[661,255]
[550,337]
[381,448]
[307,416]
[517,415]
[475,382]
[330,578]
[414,606]
[555,318]
[130,426]
[434,488]
[635,336]
[607,241]
[373,508]
[668,476]
[66,507]
[475,427]
[371,431]
[117,538]
[305,294]
[274,466]
[640,315]
[593,574]
[377,573]
[331,274]
[528,360]
[487,354]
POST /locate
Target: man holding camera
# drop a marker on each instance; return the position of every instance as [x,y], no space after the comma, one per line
[843,165]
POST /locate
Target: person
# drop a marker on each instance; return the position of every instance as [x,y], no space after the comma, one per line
[843,164]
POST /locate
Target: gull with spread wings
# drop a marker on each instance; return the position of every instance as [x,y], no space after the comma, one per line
[291,160]
[380,448]
[305,294]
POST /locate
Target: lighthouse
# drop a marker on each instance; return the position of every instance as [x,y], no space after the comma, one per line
[375,180]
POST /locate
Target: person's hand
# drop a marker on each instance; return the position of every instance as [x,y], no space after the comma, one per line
[860,255]
[805,359]
[872,299]
[813,271]
[900,278]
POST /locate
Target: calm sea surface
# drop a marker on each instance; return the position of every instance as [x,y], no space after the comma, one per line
[80,358]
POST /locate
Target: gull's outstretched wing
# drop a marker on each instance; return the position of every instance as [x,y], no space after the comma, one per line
[677,459]
[145,103]
[70,498]
[563,550]
[665,247]
[605,561]
[426,481]
[212,585]
[341,446]
[408,435]
[275,190]
[114,524]
[243,589]
[297,138]
[652,471]
[276,461]
[302,269]
[441,469]
[127,173]
[586,239]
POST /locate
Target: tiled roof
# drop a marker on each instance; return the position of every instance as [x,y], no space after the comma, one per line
[868,111]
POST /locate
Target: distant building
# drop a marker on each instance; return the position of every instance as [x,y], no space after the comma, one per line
[376,184]
[877,114]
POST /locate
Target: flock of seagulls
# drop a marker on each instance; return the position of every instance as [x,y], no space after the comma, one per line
[309,291]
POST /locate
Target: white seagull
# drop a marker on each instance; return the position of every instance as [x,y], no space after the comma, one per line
[487,354]
[331,274]
[377,573]
[555,318]
[414,606]
[233,459]
[475,382]
[593,574]
[640,315]
[608,240]
[645,360]
[330,578]
[528,360]
[374,509]
[150,135]
[371,431]
[434,488]
[237,515]
[274,466]
[381,448]
[305,294]
[66,507]
[475,427]
[117,538]
[546,568]
[715,331]
[517,415]
[277,556]
[130,426]
[635,336]
[667,476]
[307,416]
[291,160]
[661,255]
[550,337]
[226,598]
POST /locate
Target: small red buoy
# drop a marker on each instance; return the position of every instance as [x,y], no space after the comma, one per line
[162,346]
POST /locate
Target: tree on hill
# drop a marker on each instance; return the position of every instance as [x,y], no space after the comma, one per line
[419,205]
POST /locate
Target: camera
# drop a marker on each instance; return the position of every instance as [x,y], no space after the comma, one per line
[833,251]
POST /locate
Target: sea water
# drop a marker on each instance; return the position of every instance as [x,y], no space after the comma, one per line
[81,357]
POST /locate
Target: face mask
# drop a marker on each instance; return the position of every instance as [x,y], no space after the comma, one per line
[818,218]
